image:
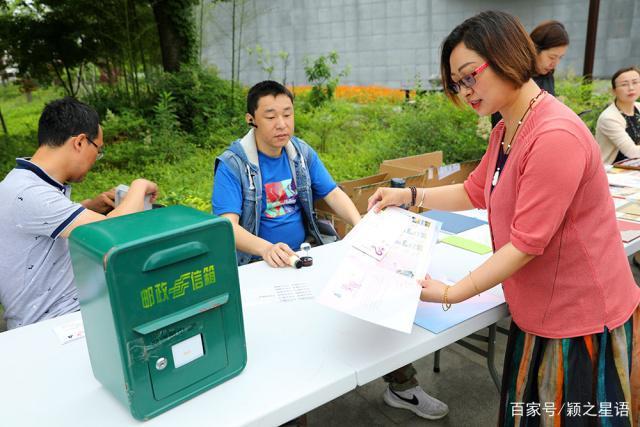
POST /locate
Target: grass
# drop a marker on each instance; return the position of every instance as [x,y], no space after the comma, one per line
[351,138]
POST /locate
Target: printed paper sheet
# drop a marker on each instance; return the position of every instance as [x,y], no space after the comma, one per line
[376,280]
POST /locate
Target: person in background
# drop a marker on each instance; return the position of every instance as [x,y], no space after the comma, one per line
[551,41]
[574,340]
[618,126]
[37,215]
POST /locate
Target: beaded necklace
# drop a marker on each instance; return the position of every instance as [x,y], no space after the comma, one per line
[505,151]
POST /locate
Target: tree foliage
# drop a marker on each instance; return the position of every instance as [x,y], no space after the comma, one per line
[177,33]
[81,43]
[48,40]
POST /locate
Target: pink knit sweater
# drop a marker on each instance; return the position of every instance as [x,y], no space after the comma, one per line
[552,200]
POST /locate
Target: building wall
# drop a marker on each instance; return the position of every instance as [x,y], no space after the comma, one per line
[391,42]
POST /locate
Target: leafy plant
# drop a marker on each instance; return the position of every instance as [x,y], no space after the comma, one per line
[263,59]
[586,98]
[321,74]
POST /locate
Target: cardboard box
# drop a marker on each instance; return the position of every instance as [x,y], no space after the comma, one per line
[358,190]
[423,170]
[454,173]
[419,163]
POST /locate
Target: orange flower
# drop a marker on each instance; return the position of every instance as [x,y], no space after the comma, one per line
[363,94]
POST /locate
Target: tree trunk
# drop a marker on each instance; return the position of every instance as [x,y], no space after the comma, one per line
[239,48]
[4,125]
[172,44]
[136,23]
[201,31]
[233,52]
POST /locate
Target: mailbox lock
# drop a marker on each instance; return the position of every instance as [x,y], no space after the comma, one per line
[161,363]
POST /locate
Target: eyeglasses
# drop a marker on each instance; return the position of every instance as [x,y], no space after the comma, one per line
[469,80]
[100,149]
[629,85]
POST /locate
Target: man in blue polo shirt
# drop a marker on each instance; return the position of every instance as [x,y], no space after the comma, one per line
[265,183]
[36,213]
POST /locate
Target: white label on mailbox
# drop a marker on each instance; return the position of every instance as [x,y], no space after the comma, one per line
[187,351]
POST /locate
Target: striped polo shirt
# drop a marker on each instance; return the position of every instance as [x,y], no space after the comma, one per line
[36,278]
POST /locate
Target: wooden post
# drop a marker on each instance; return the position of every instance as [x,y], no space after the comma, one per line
[590,47]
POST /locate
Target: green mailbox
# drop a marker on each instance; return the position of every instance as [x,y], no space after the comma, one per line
[160,301]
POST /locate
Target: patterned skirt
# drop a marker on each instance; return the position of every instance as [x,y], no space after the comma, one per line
[592,380]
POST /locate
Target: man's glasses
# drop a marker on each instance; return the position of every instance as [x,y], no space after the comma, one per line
[469,80]
[629,85]
[100,149]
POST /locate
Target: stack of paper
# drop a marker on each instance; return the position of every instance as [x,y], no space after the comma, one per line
[629,231]
[629,212]
[624,178]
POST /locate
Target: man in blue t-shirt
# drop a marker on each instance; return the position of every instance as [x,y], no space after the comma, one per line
[266,182]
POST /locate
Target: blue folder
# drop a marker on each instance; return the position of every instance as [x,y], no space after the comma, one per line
[453,222]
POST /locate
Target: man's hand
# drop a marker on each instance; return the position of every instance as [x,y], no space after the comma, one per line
[103,203]
[277,255]
[149,187]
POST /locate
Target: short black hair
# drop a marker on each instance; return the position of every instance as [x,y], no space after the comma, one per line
[265,88]
[500,39]
[64,118]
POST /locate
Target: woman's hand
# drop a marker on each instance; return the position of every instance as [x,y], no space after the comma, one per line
[385,196]
[432,290]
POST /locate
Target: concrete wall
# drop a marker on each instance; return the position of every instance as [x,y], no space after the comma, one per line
[390,42]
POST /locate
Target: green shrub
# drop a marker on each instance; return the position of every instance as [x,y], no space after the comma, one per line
[433,123]
[588,99]
[129,124]
[203,101]
[161,143]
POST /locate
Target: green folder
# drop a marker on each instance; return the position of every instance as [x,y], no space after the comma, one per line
[467,244]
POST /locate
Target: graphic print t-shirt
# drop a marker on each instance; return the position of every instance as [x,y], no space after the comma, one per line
[281,214]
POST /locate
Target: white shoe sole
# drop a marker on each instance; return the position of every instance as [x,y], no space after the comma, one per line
[412,408]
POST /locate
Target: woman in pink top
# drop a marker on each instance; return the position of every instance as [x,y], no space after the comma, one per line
[557,250]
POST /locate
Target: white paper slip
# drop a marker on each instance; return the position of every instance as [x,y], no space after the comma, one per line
[480,234]
[618,203]
[626,179]
[481,214]
[69,331]
[451,264]
[446,170]
[276,294]
[293,292]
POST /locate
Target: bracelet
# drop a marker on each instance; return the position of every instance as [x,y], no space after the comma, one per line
[422,198]
[446,305]
[474,284]
[413,195]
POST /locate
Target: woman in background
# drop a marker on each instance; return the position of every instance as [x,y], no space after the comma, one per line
[551,41]
[618,127]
